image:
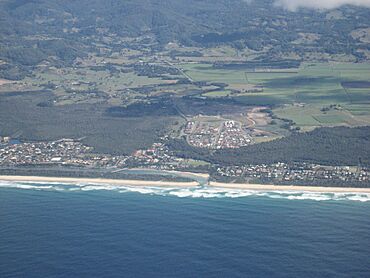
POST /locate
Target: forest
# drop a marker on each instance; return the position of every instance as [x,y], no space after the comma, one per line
[325,146]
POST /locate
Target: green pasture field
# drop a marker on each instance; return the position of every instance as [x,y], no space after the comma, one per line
[301,116]
[205,72]
[359,109]
[331,119]
[217,94]
[316,85]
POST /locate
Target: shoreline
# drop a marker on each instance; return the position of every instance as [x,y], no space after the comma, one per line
[194,174]
[148,183]
[99,181]
[299,188]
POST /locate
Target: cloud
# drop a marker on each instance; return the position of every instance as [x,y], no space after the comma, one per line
[320,4]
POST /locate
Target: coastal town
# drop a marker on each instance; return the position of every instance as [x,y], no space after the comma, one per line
[71,152]
[296,172]
[228,134]
[64,152]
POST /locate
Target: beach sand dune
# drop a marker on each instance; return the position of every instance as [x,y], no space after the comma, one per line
[264,187]
[148,183]
[99,181]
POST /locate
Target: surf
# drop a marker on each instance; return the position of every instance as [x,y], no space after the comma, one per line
[193,192]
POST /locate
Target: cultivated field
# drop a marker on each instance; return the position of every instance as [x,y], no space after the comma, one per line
[320,94]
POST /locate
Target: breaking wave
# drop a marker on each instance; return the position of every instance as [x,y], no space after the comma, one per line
[197,192]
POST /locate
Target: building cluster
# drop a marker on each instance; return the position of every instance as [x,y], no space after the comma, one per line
[189,127]
[232,136]
[227,135]
[4,140]
[296,172]
[71,152]
[157,154]
[157,157]
[65,152]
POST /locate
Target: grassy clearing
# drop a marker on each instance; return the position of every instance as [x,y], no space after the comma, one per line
[218,94]
[331,119]
[302,116]
[205,72]
[358,109]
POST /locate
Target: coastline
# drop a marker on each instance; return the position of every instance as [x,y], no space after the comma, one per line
[180,173]
[98,181]
[148,183]
[300,188]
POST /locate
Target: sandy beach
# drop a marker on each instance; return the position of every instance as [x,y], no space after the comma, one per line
[264,187]
[99,181]
[5,81]
[194,174]
[258,187]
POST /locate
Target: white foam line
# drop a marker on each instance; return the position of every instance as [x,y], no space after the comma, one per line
[25,186]
[52,182]
[198,192]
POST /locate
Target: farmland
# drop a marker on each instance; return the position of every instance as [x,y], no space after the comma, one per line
[312,95]
[315,94]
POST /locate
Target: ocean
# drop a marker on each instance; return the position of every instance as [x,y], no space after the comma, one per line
[86,230]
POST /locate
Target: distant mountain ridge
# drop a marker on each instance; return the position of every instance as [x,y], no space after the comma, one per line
[31,31]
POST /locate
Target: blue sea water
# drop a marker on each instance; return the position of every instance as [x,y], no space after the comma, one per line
[59,230]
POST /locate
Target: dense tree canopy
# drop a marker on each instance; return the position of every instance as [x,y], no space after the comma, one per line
[328,146]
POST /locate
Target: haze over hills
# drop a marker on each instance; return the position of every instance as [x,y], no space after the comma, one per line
[317,4]
[32,31]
